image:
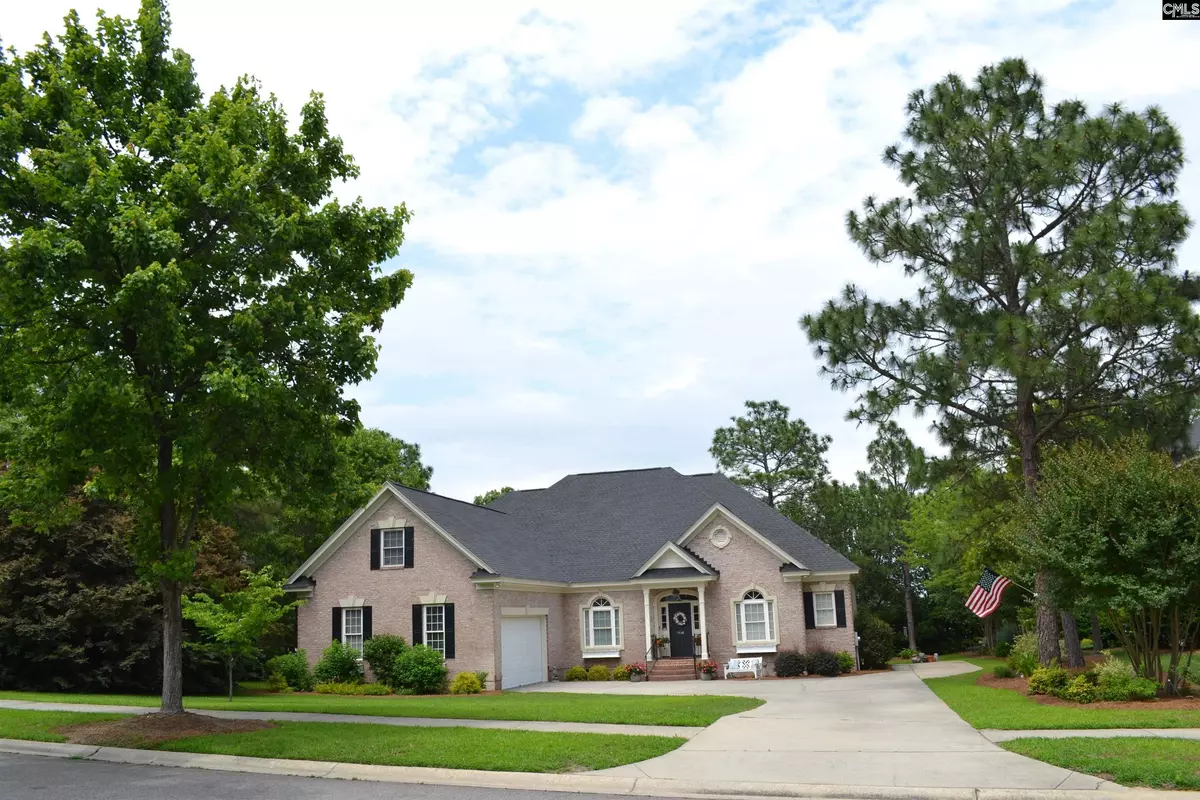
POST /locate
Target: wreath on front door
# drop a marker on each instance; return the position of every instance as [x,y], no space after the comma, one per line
[679,619]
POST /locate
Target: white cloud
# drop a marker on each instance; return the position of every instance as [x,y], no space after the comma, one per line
[623,271]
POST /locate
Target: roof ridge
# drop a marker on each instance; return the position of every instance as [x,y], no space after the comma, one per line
[446,497]
[617,471]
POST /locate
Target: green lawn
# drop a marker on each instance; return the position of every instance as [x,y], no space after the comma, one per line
[1157,763]
[695,711]
[985,707]
[455,748]
[39,725]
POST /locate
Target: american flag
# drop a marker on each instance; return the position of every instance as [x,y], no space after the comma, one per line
[985,597]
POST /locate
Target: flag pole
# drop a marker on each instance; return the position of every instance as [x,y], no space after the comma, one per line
[1022,588]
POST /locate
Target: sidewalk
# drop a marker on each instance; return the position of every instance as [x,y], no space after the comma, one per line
[364,719]
[1094,733]
[585,782]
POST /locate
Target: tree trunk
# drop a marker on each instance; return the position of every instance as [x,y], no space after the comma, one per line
[1047,622]
[229,669]
[1097,634]
[172,590]
[1071,640]
[908,606]
[172,682]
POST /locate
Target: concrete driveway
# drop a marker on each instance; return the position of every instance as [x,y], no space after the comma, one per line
[884,729]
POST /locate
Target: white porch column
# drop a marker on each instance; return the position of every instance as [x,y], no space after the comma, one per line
[703,622]
[646,617]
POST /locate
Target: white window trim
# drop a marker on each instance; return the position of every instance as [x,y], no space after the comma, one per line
[425,631]
[832,610]
[769,645]
[361,626]
[383,549]
[585,627]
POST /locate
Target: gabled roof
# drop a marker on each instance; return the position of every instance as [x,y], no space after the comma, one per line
[600,527]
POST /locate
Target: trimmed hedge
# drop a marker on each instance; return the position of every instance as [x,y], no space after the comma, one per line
[422,670]
[334,687]
[293,668]
[576,673]
[466,683]
[824,663]
[876,639]
[599,672]
[338,664]
[790,663]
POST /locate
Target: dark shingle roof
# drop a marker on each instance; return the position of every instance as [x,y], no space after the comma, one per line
[603,526]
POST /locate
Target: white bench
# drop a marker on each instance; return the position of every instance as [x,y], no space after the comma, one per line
[751,665]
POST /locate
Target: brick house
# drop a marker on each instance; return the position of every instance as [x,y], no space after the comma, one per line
[588,571]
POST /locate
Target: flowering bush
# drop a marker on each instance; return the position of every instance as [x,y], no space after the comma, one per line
[637,668]
[620,673]
[708,666]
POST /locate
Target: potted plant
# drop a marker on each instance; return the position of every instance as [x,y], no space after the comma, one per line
[696,639]
[660,642]
[637,672]
[708,669]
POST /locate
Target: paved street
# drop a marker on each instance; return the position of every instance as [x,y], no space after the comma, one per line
[35,778]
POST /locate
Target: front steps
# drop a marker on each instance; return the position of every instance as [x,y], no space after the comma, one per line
[673,669]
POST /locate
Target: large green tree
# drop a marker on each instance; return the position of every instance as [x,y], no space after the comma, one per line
[1120,528]
[182,300]
[1041,244]
[895,476]
[492,495]
[775,457]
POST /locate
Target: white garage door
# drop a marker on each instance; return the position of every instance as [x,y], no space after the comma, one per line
[522,651]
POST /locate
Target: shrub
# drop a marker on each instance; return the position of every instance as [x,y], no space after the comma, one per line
[421,670]
[1048,680]
[338,664]
[1003,671]
[277,682]
[336,687]
[294,669]
[823,663]
[466,683]
[790,663]
[1024,656]
[1112,670]
[1143,689]
[907,653]
[875,640]
[483,676]
[381,653]
[599,672]
[620,673]
[1079,690]
[576,673]
[637,668]
[845,661]
[1086,644]
[708,667]
[1003,649]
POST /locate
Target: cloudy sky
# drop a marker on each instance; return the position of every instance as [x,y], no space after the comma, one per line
[623,208]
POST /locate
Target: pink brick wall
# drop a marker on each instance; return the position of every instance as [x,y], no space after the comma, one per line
[744,563]
[633,629]
[391,593]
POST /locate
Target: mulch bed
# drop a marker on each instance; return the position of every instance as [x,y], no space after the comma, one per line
[145,730]
[1160,704]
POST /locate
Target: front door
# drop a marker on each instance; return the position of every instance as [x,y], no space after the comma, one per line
[679,620]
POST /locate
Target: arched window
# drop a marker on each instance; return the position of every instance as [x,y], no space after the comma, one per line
[755,618]
[603,624]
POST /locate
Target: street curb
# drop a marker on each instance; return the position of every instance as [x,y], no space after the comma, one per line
[596,784]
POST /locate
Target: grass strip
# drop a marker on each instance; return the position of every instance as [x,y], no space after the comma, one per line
[693,711]
[1004,709]
[1155,763]
[39,726]
[453,748]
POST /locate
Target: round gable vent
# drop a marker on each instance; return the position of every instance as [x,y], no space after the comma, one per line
[719,537]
